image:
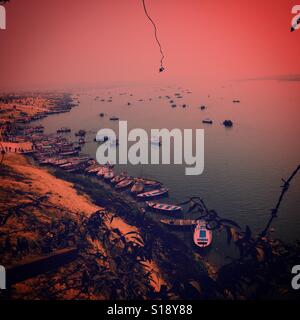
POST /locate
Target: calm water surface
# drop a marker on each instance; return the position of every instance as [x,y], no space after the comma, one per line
[243,165]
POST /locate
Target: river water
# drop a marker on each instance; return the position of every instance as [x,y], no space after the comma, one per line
[243,164]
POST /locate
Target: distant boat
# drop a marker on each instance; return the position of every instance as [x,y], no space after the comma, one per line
[236,101]
[202,235]
[63,130]
[208,121]
[153,193]
[184,106]
[101,114]
[164,207]
[228,123]
[138,187]
[80,133]
[114,118]
[124,183]
[69,153]
[202,107]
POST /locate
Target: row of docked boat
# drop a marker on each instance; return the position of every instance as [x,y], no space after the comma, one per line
[57,151]
[139,187]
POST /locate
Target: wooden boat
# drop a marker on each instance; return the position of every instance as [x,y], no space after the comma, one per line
[153,193]
[150,183]
[208,121]
[118,179]
[102,171]
[236,101]
[70,153]
[114,118]
[63,130]
[94,168]
[179,222]
[80,133]
[164,207]
[202,235]
[124,183]
[138,187]
[202,107]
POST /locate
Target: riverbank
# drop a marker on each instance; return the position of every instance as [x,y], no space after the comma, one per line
[44,211]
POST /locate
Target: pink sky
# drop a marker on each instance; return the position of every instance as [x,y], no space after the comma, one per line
[68,42]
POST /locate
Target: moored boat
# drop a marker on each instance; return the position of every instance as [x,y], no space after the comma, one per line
[163,207]
[150,183]
[63,130]
[138,187]
[124,183]
[153,193]
[118,178]
[202,235]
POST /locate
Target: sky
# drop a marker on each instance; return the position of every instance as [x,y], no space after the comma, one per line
[60,43]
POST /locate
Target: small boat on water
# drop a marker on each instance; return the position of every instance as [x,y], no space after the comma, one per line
[124,183]
[153,193]
[150,183]
[69,153]
[138,187]
[118,179]
[179,222]
[202,235]
[80,133]
[202,107]
[228,123]
[63,130]
[236,101]
[94,169]
[114,118]
[163,207]
[208,121]
[102,171]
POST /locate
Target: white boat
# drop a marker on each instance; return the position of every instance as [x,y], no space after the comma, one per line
[153,193]
[164,207]
[202,235]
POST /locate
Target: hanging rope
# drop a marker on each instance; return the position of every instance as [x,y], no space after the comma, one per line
[155,34]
